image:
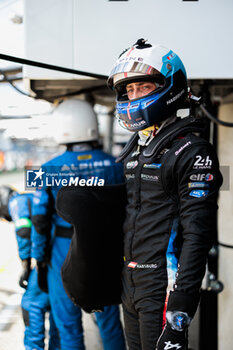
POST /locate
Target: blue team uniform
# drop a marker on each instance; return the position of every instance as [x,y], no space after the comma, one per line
[34,302]
[67,316]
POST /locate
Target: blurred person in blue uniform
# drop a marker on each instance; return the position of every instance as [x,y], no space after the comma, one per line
[16,207]
[77,128]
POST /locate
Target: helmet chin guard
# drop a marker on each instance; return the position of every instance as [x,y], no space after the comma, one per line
[155,63]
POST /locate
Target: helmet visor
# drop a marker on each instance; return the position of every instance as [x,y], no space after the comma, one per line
[130,69]
[133,67]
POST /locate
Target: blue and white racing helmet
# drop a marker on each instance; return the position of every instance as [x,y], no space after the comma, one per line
[146,62]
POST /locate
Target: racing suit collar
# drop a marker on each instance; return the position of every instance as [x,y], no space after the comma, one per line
[164,136]
[146,138]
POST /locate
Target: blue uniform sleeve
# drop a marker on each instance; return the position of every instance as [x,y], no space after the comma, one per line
[23,235]
[19,212]
[42,209]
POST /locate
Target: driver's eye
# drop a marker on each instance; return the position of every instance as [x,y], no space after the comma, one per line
[148,87]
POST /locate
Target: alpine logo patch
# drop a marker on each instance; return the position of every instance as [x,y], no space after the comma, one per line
[198,193]
[152,166]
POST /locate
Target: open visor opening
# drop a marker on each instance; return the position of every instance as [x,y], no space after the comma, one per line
[121,91]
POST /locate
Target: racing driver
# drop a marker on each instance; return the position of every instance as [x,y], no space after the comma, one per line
[173,179]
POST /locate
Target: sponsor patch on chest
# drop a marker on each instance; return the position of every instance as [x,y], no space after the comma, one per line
[152,166]
[147,177]
[132,164]
[130,176]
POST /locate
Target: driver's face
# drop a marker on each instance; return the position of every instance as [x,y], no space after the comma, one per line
[136,90]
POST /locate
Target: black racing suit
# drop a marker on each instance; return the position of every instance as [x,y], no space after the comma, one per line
[172,189]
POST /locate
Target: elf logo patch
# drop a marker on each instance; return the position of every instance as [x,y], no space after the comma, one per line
[202,177]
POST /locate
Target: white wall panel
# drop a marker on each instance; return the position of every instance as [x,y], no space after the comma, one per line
[48,36]
[89,35]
